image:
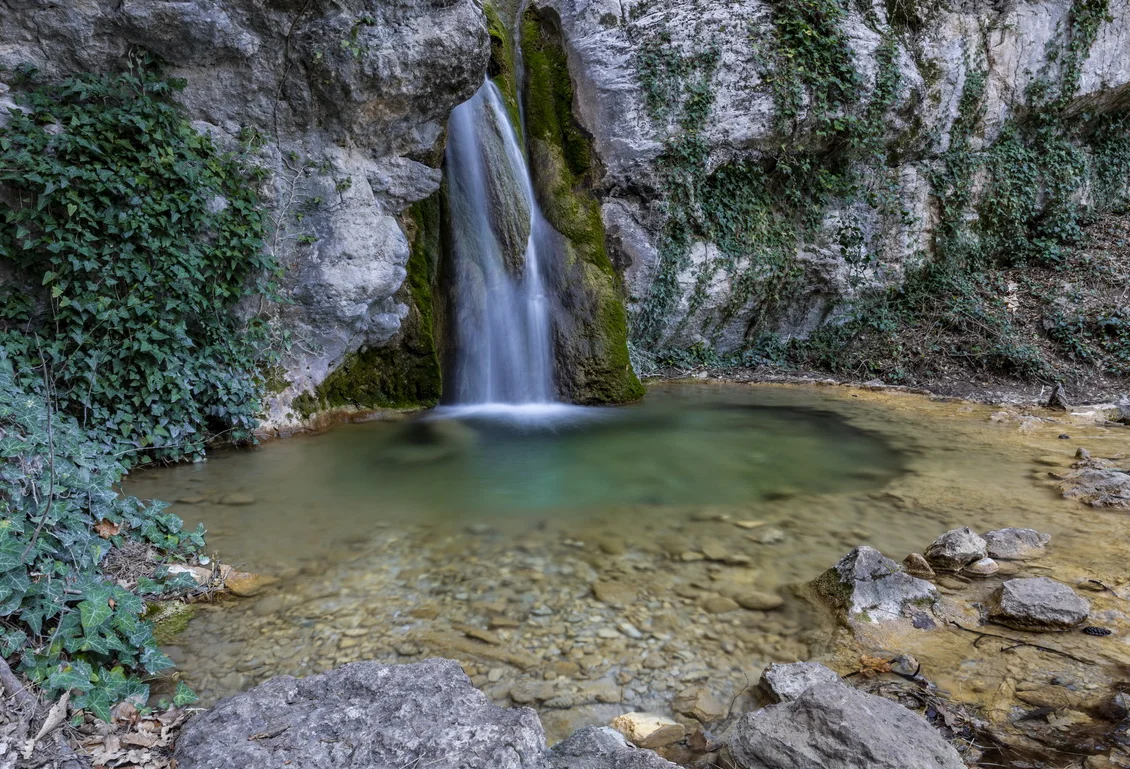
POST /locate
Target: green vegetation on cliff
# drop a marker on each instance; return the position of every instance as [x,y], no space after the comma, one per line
[132,240]
[593,354]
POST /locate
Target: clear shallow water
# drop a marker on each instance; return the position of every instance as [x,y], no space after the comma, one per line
[517,465]
[393,540]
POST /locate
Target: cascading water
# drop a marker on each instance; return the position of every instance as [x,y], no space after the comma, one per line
[503,337]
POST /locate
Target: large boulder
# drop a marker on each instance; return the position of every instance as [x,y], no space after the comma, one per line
[867,585]
[1037,603]
[365,715]
[956,549]
[599,747]
[832,726]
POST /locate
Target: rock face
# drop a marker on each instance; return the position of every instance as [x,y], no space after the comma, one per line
[956,549]
[1038,603]
[350,101]
[785,683]
[866,584]
[688,110]
[365,715]
[832,726]
[602,748]
[1016,544]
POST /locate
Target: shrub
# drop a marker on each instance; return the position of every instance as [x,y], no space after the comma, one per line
[133,240]
[71,623]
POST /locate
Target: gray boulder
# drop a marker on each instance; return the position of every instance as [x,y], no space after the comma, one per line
[1016,544]
[1039,604]
[832,726]
[365,715]
[868,585]
[956,549]
[785,683]
[598,747]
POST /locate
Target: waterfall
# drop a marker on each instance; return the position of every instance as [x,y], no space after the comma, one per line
[500,239]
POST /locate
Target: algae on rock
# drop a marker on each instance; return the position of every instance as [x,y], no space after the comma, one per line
[591,322]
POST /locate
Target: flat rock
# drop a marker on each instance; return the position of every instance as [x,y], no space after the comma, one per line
[956,549]
[1017,544]
[1038,604]
[245,584]
[599,747]
[618,594]
[648,730]
[785,682]
[758,601]
[719,604]
[866,584]
[364,715]
[832,726]
[237,499]
[701,704]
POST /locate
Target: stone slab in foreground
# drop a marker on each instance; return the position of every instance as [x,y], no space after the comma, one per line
[364,715]
[833,726]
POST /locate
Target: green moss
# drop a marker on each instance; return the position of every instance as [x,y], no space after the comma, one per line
[562,162]
[408,374]
[169,619]
[501,66]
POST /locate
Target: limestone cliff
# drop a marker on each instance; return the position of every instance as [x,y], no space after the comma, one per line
[347,102]
[763,163]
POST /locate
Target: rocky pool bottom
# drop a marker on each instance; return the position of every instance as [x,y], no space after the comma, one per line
[676,608]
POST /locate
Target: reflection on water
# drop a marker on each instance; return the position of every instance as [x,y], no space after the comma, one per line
[491,463]
[590,562]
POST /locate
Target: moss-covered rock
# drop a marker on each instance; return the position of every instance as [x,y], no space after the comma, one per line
[591,327]
[406,374]
[169,619]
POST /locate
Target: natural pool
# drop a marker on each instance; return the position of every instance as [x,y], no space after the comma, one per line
[588,562]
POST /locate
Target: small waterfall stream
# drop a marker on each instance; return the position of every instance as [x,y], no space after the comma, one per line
[503,336]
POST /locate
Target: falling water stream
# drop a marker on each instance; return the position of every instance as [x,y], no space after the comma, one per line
[502,318]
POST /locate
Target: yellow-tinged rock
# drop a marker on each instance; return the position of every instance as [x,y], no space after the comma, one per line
[648,730]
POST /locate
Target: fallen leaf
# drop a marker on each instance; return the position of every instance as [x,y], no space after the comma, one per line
[873,666]
[107,528]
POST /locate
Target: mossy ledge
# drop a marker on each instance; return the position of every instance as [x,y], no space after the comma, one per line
[591,332]
[406,375]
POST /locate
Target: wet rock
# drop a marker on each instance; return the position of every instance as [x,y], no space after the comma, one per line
[714,550]
[832,726]
[616,594]
[479,634]
[245,584]
[397,712]
[769,535]
[599,747]
[1098,483]
[917,566]
[701,704]
[868,585]
[956,549]
[648,730]
[529,692]
[237,499]
[985,567]
[719,604]
[758,601]
[786,682]
[1016,544]
[1038,604]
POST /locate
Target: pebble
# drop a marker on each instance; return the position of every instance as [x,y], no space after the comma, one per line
[719,604]
[237,499]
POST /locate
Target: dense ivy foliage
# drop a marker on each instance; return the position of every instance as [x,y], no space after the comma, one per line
[69,623]
[133,239]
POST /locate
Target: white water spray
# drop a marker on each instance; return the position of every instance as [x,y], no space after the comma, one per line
[503,335]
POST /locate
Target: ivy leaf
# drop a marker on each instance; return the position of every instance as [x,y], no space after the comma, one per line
[184,695]
[75,675]
[95,611]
